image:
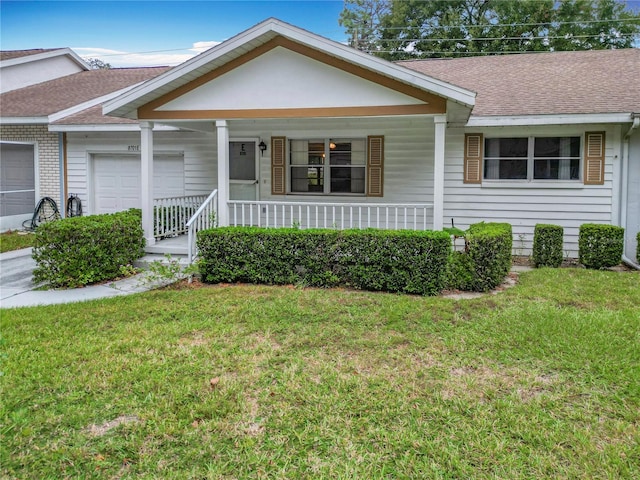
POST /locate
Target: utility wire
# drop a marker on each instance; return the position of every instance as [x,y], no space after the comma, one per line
[491,25]
[535,37]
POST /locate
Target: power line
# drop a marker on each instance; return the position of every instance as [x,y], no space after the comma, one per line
[413,54]
[478,39]
[491,25]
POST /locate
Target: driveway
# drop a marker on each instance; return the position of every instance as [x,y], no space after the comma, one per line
[16,273]
[18,290]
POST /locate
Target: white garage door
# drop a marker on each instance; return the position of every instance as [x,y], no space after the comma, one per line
[17,179]
[117,185]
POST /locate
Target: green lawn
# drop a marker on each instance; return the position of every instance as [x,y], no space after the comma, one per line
[539,381]
[15,241]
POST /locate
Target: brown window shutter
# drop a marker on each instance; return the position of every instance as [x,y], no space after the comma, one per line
[375,166]
[473,146]
[594,158]
[278,166]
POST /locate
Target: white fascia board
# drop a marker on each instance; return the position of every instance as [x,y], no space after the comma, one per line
[403,74]
[88,104]
[41,56]
[24,120]
[111,127]
[566,119]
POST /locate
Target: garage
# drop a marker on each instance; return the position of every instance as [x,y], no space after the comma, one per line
[117,184]
[17,184]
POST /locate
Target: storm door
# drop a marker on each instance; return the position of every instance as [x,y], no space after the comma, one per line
[243,170]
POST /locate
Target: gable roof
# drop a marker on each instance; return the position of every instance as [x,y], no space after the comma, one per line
[76,90]
[223,54]
[586,82]
[16,57]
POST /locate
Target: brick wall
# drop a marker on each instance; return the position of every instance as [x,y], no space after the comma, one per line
[47,151]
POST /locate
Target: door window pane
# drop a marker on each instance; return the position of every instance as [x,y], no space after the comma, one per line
[242,161]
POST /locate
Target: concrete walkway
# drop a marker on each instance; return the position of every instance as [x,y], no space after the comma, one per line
[18,290]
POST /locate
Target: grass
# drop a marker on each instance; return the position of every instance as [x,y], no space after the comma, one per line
[14,240]
[539,381]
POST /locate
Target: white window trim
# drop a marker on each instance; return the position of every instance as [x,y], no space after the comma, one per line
[531,182]
[326,166]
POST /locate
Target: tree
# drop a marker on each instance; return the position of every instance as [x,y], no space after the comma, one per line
[97,64]
[441,28]
[361,19]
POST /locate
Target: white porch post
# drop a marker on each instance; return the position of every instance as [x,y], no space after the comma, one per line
[440,122]
[223,172]
[146,155]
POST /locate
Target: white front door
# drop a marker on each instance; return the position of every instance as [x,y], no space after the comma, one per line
[243,170]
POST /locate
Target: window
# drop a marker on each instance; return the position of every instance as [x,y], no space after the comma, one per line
[532,158]
[343,173]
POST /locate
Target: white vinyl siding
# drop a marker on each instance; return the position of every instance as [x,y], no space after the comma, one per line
[565,203]
[408,154]
[197,149]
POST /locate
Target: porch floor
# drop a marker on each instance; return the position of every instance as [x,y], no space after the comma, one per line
[173,246]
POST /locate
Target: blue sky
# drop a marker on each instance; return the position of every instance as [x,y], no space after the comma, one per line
[126,33]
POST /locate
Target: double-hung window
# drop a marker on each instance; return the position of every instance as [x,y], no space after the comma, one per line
[532,158]
[328,166]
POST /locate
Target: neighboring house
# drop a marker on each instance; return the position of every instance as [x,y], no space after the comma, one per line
[56,84]
[21,68]
[287,127]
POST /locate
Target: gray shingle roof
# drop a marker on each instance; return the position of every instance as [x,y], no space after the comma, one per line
[597,81]
[93,116]
[11,54]
[62,93]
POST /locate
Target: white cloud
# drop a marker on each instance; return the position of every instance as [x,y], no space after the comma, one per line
[202,46]
[118,58]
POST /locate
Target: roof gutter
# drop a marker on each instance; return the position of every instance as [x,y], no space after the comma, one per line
[624,190]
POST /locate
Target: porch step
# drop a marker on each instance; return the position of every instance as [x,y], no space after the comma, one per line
[161,249]
[173,246]
[149,259]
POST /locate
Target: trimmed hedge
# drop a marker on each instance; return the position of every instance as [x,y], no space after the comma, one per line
[81,250]
[600,246]
[547,245]
[394,261]
[486,261]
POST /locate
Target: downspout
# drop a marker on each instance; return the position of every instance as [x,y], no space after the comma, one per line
[62,172]
[624,191]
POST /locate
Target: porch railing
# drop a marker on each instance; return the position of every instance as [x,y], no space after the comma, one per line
[205,217]
[171,214]
[394,216]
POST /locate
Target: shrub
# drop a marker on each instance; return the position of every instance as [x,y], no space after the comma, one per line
[396,261]
[487,258]
[81,250]
[547,245]
[460,272]
[600,246]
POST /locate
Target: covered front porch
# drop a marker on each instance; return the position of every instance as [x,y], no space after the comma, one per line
[409,194]
[308,133]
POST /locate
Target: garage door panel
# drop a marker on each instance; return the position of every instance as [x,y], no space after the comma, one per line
[17,174]
[117,184]
[130,182]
